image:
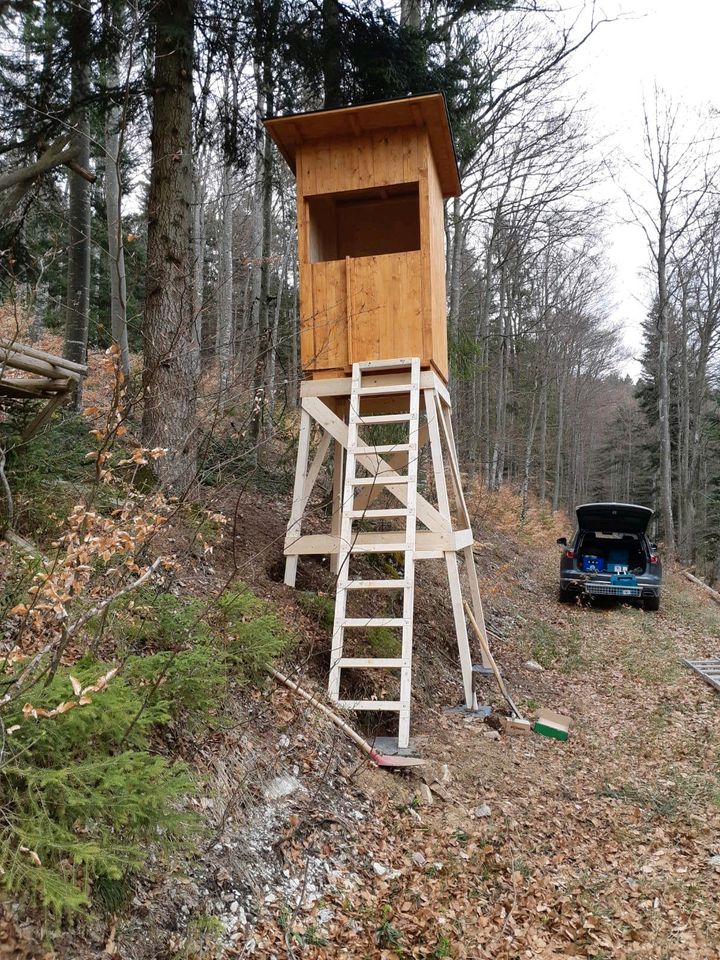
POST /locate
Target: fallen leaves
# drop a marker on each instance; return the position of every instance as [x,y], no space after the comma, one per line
[80,692]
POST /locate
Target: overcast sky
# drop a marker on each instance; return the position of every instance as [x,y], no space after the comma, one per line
[673,44]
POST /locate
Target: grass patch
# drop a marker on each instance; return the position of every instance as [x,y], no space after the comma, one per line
[384,642]
[675,796]
[651,655]
[318,607]
[554,648]
[50,474]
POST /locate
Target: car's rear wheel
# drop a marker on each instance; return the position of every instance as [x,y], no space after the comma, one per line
[651,603]
[566,596]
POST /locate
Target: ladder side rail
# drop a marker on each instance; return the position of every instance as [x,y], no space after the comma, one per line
[345,548]
[409,565]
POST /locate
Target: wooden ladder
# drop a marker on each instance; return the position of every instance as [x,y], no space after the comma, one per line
[349,547]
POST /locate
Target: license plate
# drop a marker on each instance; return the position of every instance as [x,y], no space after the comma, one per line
[627,593]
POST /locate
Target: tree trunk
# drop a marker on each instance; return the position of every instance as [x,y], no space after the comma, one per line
[332,71]
[557,486]
[225,335]
[198,244]
[79,212]
[666,502]
[264,80]
[113,205]
[169,384]
[410,14]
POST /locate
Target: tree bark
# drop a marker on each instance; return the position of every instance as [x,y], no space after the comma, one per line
[225,334]
[79,212]
[666,501]
[332,72]
[169,384]
[113,205]
[198,245]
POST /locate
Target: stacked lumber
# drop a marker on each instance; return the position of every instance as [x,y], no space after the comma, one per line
[53,379]
[52,376]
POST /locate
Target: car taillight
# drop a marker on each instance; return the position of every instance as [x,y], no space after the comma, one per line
[570,554]
[653,558]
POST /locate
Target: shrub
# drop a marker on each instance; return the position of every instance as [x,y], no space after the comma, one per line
[81,793]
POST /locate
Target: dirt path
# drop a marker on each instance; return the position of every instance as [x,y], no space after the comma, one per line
[598,847]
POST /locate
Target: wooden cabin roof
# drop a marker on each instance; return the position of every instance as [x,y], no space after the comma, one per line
[428,111]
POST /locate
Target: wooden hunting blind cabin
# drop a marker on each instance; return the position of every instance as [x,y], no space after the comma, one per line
[371,184]
[371,181]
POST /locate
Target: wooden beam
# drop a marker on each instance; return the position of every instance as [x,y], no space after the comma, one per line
[9,357]
[18,347]
[340,386]
[43,416]
[325,544]
[320,412]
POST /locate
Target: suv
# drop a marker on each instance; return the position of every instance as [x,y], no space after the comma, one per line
[611,556]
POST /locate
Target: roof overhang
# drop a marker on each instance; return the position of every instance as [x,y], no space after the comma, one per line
[428,111]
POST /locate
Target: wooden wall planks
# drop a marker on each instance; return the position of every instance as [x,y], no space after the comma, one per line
[372,265]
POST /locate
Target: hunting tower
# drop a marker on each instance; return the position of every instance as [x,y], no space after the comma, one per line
[371,181]
[371,184]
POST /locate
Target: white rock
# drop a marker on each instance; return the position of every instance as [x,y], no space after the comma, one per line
[379,870]
[714,861]
[492,734]
[533,665]
[234,906]
[426,794]
[325,916]
[482,811]
[282,786]
[419,859]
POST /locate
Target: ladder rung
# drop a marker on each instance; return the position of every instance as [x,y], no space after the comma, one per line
[381,448]
[373,622]
[380,547]
[382,391]
[369,704]
[377,514]
[374,585]
[391,663]
[377,418]
[377,481]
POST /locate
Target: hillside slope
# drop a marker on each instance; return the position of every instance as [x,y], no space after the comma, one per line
[503,847]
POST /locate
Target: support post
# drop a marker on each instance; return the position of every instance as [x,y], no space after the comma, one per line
[337,505]
[298,502]
[432,407]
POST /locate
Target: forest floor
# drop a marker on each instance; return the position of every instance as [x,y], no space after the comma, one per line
[600,847]
[606,846]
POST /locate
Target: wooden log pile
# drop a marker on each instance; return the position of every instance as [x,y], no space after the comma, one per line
[52,378]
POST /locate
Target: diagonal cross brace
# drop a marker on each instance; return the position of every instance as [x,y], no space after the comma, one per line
[426,513]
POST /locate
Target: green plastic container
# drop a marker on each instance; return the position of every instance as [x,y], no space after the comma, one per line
[549,730]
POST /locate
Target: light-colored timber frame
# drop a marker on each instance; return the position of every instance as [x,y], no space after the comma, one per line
[320,401]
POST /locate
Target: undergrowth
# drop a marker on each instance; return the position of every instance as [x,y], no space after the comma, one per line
[554,648]
[86,792]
